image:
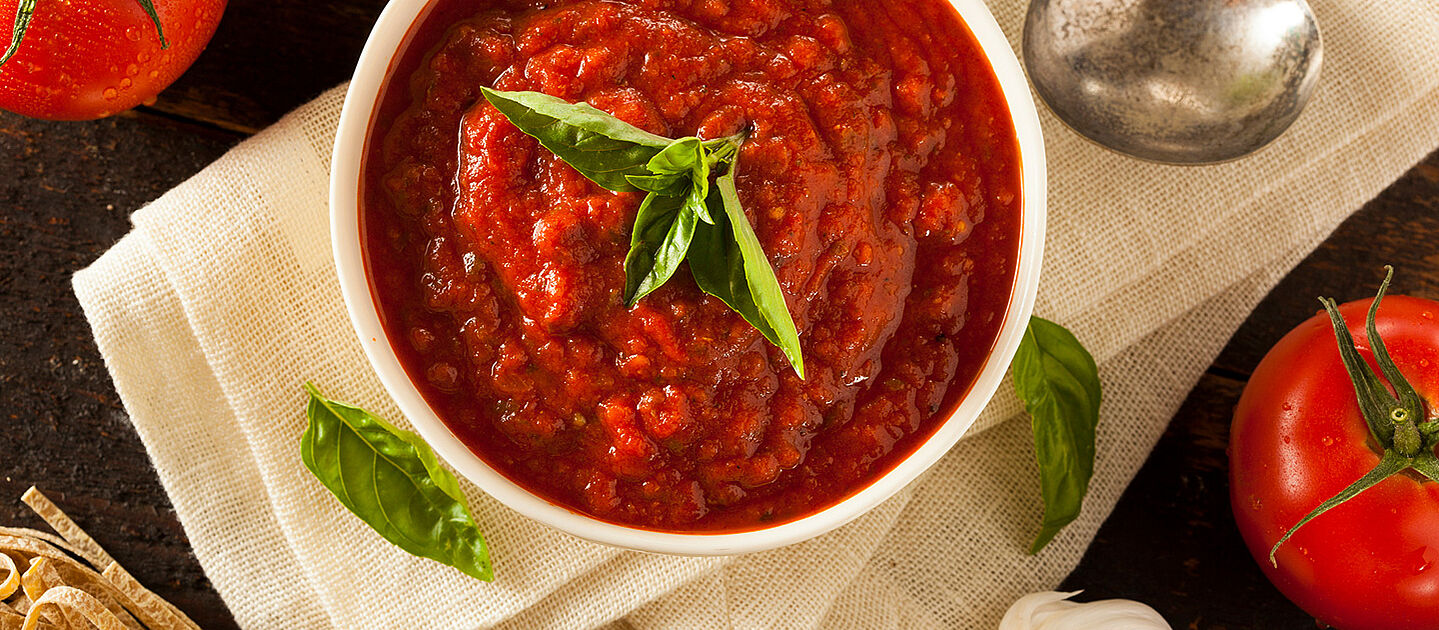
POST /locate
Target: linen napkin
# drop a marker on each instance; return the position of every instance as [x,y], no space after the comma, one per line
[224,299]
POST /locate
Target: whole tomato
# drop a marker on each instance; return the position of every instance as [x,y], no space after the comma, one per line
[1300,438]
[83,59]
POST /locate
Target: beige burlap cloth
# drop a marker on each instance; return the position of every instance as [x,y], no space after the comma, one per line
[223,300]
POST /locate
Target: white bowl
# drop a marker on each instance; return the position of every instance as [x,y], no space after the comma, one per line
[360,101]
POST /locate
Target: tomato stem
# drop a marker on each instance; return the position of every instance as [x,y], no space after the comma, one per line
[23,12]
[1390,464]
[1408,398]
[149,7]
[1375,403]
[1427,464]
[1392,418]
[1430,431]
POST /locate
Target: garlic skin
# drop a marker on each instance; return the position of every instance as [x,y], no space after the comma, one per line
[1050,611]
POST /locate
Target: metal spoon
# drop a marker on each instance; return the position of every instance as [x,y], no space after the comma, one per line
[1174,81]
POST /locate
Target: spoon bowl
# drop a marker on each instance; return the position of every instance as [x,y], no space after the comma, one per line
[1174,81]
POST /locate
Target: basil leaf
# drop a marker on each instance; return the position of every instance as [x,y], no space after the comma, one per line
[1059,383]
[687,157]
[680,157]
[669,185]
[663,230]
[683,163]
[679,220]
[601,147]
[391,480]
[698,200]
[727,262]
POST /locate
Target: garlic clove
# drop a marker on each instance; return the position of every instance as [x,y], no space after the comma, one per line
[1050,611]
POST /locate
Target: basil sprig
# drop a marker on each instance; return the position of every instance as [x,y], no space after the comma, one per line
[391,480]
[1059,383]
[684,216]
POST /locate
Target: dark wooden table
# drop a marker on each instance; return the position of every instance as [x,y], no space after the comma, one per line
[68,189]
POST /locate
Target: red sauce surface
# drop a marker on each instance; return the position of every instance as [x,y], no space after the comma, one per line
[881,176]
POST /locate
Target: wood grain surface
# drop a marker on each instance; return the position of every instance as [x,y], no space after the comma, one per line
[69,188]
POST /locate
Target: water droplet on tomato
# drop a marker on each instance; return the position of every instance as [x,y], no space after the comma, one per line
[1327,440]
[1427,315]
[1288,406]
[1255,503]
[109,94]
[125,82]
[1424,363]
[1420,560]
[132,33]
[143,56]
[132,70]
[154,73]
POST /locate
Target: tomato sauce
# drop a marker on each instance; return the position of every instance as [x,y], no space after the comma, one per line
[881,176]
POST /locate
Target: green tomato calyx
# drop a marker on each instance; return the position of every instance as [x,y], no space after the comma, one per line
[25,10]
[1393,418]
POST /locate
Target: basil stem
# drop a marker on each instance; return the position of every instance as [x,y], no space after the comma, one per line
[1059,383]
[391,480]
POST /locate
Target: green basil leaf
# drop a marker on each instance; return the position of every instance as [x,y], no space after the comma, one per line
[697,201]
[714,153]
[682,164]
[1059,383]
[391,480]
[601,147]
[687,157]
[663,230]
[669,185]
[680,157]
[677,215]
[727,262]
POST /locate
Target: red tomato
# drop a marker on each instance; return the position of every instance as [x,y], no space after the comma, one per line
[84,59]
[1299,438]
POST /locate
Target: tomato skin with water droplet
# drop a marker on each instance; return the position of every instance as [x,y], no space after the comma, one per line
[1299,438]
[87,59]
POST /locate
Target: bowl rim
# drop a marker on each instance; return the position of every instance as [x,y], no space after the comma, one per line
[391,30]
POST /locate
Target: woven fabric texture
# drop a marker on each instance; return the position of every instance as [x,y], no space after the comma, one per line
[223,300]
